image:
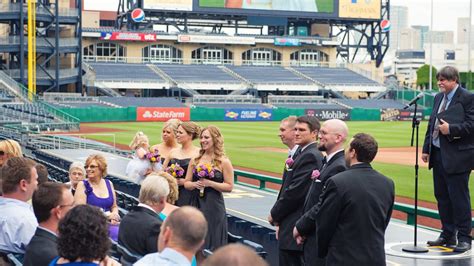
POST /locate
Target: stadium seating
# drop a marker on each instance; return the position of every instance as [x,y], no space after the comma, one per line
[336,76]
[197,73]
[268,75]
[123,72]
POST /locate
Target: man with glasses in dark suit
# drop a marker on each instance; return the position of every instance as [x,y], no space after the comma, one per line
[449,150]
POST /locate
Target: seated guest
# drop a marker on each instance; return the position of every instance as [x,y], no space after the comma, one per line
[83,238]
[99,192]
[8,149]
[42,173]
[182,235]
[17,220]
[77,173]
[234,255]
[140,228]
[172,196]
[51,202]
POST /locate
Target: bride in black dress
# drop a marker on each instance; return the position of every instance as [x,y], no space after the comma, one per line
[185,134]
[207,192]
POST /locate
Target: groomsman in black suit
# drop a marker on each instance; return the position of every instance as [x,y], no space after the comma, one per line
[332,136]
[449,149]
[289,206]
[355,209]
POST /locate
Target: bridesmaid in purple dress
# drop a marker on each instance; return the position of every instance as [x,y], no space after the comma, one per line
[99,192]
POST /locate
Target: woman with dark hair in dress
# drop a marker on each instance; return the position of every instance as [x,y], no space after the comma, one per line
[207,188]
[83,238]
[179,158]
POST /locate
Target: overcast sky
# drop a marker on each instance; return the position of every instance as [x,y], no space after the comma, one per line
[446,12]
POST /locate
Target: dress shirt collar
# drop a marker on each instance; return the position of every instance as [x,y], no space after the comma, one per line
[302,149]
[291,152]
[174,255]
[143,205]
[329,156]
[47,230]
[450,95]
[20,203]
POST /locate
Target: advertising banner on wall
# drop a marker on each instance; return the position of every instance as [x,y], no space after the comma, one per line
[238,114]
[186,38]
[399,115]
[321,114]
[162,114]
[181,5]
[128,36]
[286,42]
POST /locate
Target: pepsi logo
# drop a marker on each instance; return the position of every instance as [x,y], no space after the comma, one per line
[385,25]
[138,15]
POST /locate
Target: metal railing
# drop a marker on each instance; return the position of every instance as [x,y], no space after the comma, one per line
[264,179]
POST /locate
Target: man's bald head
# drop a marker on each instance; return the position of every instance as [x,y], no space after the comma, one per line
[234,255]
[332,135]
[188,226]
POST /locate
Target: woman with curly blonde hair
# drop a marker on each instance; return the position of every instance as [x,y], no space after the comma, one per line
[9,148]
[209,175]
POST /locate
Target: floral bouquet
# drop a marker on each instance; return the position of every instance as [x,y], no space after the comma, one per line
[175,170]
[204,171]
[153,156]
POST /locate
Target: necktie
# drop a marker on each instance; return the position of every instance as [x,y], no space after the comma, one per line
[436,125]
[325,160]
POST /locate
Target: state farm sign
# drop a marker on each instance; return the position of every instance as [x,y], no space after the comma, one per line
[162,114]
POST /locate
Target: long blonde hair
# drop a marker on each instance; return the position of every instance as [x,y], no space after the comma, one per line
[173,185]
[139,140]
[218,141]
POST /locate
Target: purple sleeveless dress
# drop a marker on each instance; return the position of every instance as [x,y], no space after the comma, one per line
[104,203]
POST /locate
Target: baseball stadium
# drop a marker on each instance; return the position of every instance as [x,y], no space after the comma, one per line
[81,78]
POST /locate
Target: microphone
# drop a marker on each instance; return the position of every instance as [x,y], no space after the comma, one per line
[412,102]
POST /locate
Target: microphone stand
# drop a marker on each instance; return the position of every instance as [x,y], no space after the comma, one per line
[415,127]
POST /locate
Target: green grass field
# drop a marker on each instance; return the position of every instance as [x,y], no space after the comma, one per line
[245,144]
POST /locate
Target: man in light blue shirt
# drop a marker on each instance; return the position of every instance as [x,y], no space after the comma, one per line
[182,235]
[17,222]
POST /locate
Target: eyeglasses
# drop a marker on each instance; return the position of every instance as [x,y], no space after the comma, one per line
[2,153]
[67,205]
[90,166]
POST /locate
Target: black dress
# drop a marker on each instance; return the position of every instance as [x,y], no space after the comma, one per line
[213,207]
[184,194]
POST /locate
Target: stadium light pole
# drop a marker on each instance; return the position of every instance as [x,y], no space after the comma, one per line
[431,49]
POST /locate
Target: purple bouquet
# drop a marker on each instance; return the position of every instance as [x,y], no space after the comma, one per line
[153,156]
[175,170]
[204,171]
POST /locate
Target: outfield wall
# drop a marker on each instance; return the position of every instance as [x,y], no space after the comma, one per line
[102,114]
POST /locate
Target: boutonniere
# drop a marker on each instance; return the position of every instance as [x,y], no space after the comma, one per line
[315,175]
[289,163]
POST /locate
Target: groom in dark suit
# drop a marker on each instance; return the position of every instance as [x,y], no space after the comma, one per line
[289,205]
[355,209]
[332,136]
[449,149]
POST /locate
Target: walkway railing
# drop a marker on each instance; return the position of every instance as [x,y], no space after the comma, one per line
[264,179]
